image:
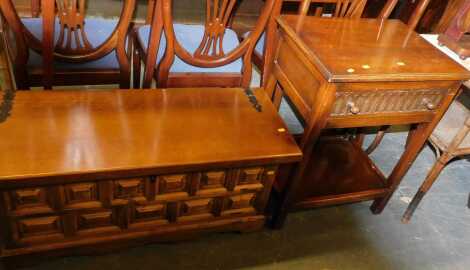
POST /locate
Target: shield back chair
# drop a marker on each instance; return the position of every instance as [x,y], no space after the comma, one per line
[319,8]
[65,47]
[209,55]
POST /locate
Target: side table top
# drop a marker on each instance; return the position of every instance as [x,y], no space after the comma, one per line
[353,50]
[72,133]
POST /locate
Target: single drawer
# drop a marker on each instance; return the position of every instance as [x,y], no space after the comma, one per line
[389,101]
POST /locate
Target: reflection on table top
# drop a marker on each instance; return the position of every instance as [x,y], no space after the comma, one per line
[71,132]
[369,49]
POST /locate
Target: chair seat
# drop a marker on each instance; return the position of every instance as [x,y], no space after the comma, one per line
[97,31]
[190,36]
[453,120]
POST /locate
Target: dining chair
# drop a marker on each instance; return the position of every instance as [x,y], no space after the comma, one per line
[318,8]
[185,55]
[62,46]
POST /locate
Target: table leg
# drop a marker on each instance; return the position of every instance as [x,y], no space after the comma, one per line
[317,122]
[417,138]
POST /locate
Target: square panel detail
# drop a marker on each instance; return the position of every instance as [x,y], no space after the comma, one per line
[172,185]
[155,213]
[250,179]
[196,209]
[82,192]
[129,188]
[239,204]
[250,175]
[28,198]
[42,226]
[212,182]
[93,220]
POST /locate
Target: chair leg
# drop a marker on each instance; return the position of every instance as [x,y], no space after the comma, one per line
[136,68]
[377,140]
[426,185]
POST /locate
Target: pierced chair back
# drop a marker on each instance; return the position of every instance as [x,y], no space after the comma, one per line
[264,50]
[418,12]
[210,53]
[72,43]
[332,8]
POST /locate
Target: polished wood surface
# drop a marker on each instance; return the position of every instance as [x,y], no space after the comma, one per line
[368,73]
[369,49]
[76,132]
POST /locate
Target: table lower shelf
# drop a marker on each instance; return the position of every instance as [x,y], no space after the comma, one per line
[339,172]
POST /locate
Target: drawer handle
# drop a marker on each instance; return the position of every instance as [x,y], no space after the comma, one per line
[429,105]
[353,108]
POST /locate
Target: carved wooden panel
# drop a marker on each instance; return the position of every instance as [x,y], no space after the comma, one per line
[249,179]
[196,209]
[212,182]
[28,201]
[82,192]
[173,186]
[94,220]
[152,213]
[239,204]
[129,188]
[68,212]
[371,102]
[38,228]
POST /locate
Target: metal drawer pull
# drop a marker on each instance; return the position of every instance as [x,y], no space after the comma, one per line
[353,108]
[429,105]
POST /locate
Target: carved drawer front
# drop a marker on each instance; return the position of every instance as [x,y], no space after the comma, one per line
[37,229]
[392,101]
[28,201]
[196,209]
[212,182]
[173,186]
[250,179]
[153,214]
[130,188]
[239,204]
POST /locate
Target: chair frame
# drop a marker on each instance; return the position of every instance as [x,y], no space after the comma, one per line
[47,76]
[206,56]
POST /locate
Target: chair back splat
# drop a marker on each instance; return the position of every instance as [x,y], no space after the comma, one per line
[72,20]
[213,50]
[83,50]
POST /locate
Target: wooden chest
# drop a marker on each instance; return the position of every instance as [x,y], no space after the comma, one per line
[80,169]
